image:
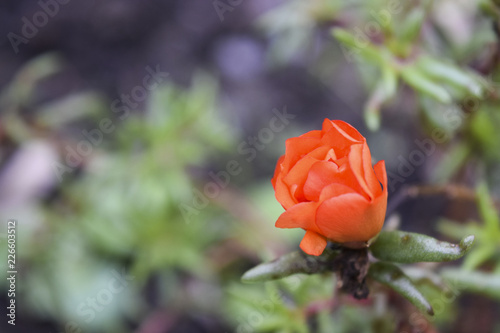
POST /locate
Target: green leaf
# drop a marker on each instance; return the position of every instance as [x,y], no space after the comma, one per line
[476,282]
[408,247]
[362,47]
[291,263]
[487,210]
[451,162]
[456,230]
[384,90]
[389,81]
[21,89]
[450,74]
[412,26]
[372,108]
[372,118]
[71,108]
[393,277]
[478,256]
[424,84]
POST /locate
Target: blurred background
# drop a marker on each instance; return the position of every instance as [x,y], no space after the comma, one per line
[138,140]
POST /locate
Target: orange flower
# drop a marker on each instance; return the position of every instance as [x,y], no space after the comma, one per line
[328,187]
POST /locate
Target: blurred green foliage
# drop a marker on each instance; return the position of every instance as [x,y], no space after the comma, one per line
[119,212]
[487,233]
[296,303]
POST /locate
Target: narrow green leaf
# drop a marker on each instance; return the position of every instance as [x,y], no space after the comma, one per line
[363,47]
[407,247]
[477,257]
[393,277]
[456,230]
[384,90]
[482,128]
[389,81]
[413,24]
[486,284]
[20,90]
[71,108]
[450,74]
[487,210]
[434,116]
[451,162]
[291,263]
[372,108]
[372,118]
[424,84]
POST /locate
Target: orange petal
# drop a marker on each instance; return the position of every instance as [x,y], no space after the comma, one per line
[277,170]
[334,190]
[302,215]
[296,148]
[356,164]
[350,217]
[348,131]
[339,143]
[321,174]
[324,173]
[298,174]
[327,125]
[342,128]
[282,193]
[312,134]
[381,174]
[369,173]
[313,243]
